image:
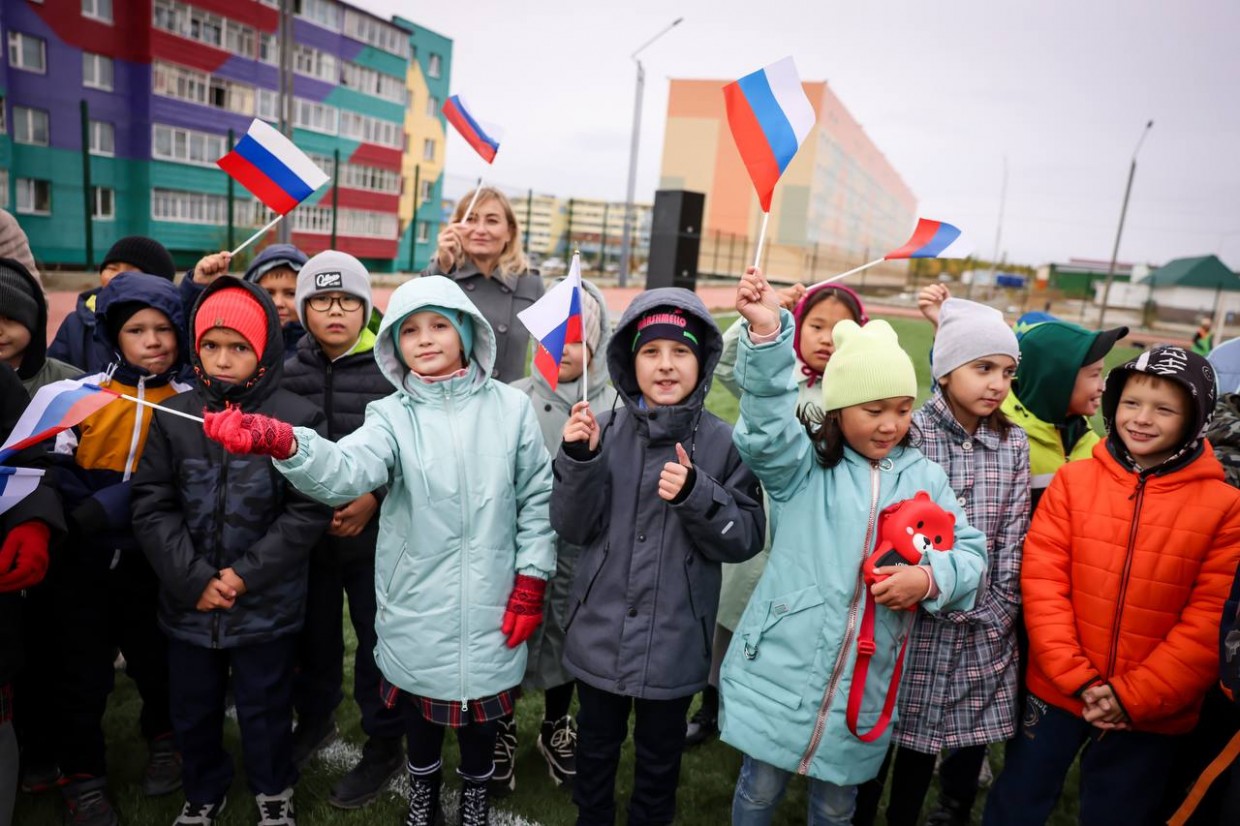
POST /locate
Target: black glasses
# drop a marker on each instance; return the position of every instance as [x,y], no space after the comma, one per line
[323,303]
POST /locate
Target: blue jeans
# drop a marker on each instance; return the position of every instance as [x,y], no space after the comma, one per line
[761,786]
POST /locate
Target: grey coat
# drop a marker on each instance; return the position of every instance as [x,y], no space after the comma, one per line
[499,299]
[545,666]
[646,589]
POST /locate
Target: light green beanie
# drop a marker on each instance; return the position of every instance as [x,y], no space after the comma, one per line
[867,365]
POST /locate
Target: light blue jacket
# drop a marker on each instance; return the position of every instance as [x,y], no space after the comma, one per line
[787,674]
[466,510]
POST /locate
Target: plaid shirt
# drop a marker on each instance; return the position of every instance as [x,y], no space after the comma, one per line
[961,670]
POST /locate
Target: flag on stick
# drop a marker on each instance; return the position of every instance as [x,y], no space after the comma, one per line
[482,136]
[555,320]
[55,407]
[271,167]
[16,483]
[930,240]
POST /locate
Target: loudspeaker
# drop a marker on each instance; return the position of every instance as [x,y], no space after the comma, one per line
[675,239]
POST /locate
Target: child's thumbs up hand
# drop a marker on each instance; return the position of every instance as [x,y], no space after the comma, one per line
[757,302]
[676,476]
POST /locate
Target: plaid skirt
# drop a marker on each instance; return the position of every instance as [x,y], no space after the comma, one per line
[452,713]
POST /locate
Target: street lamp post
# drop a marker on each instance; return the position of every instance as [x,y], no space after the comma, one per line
[626,240]
[1123,211]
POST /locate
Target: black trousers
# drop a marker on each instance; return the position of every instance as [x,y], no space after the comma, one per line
[317,689]
[658,738]
[99,609]
[425,742]
[910,781]
[262,680]
[34,706]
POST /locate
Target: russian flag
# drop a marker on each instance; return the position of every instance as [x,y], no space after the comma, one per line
[16,483]
[55,407]
[272,168]
[555,320]
[930,240]
[770,117]
[483,137]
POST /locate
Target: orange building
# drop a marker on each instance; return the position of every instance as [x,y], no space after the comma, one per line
[838,204]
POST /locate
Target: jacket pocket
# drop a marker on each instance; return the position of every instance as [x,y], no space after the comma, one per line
[695,603]
[778,646]
[589,586]
[391,577]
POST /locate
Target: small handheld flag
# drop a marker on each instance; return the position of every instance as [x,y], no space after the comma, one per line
[272,168]
[930,240]
[55,407]
[770,116]
[16,483]
[482,136]
[555,320]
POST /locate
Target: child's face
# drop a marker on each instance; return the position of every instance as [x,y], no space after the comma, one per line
[336,328]
[875,428]
[570,363]
[14,339]
[114,269]
[227,356]
[978,388]
[148,340]
[1087,392]
[430,344]
[817,345]
[281,284]
[667,371]
[1151,417]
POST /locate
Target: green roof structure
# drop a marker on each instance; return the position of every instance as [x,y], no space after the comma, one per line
[1204,272]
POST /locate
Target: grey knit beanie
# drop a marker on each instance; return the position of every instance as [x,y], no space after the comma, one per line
[333,271]
[968,331]
[17,299]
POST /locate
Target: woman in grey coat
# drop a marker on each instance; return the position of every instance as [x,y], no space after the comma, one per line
[482,253]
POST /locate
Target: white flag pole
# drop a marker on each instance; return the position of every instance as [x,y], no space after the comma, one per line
[757,256]
[144,402]
[255,237]
[472,201]
[853,271]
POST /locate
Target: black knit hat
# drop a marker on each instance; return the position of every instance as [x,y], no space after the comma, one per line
[670,323]
[146,254]
[17,298]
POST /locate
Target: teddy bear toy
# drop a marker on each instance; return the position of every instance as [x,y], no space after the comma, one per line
[907,531]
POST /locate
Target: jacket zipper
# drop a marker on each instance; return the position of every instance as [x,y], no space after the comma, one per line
[220,510]
[1123,583]
[327,402]
[837,673]
[465,537]
[137,431]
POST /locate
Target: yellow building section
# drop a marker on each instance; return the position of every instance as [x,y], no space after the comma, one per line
[424,151]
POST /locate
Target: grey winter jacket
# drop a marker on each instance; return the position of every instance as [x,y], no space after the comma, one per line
[646,589]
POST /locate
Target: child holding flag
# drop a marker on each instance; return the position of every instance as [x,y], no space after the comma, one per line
[459,587]
[657,497]
[275,269]
[230,542]
[787,678]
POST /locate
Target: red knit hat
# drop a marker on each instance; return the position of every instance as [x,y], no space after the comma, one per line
[236,309]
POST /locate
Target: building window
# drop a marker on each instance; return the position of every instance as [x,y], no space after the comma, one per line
[34,197]
[98,10]
[313,63]
[424,232]
[433,65]
[97,71]
[268,49]
[371,30]
[198,87]
[317,117]
[432,107]
[30,126]
[105,203]
[171,143]
[371,130]
[371,82]
[370,178]
[428,189]
[326,13]
[26,52]
[102,138]
[205,27]
[356,223]
[428,150]
[239,39]
[268,103]
[188,207]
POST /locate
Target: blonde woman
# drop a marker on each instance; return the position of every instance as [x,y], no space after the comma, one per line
[482,253]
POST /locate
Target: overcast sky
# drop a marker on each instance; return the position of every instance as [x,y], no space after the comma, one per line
[945,90]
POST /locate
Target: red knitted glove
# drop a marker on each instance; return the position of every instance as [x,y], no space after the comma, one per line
[250,433]
[23,558]
[525,609]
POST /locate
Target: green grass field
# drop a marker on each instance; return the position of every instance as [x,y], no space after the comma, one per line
[707,779]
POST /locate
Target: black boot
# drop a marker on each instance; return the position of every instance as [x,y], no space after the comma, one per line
[475,803]
[504,778]
[705,723]
[381,759]
[424,799]
[949,812]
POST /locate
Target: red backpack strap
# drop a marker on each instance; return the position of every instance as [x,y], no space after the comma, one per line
[856,693]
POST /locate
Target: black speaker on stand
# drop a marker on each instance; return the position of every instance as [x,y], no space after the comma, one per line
[675,239]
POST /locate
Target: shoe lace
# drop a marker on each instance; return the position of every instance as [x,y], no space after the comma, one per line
[421,800]
[83,806]
[276,809]
[474,808]
[564,740]
[195,814]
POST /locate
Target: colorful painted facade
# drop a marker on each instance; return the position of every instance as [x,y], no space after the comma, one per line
[164,82]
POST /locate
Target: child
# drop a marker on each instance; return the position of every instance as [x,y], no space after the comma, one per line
[788,673]
[557,739]
[230,542]
[959,686]
[105,593]
[657,497]
[274,269]
[23,329]
[1203,339]
[334,368]
[464,528]
[815,313]
[1126,567]
[75,342]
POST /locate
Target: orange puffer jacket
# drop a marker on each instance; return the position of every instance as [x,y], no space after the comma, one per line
[1124,581]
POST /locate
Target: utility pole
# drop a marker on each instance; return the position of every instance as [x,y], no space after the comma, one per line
[284,229]
[1119,232]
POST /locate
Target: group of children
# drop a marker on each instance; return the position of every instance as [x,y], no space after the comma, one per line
[492,537]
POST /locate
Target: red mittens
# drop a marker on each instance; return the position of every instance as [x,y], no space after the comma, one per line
[23,558]
[525,609]
[249,433]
